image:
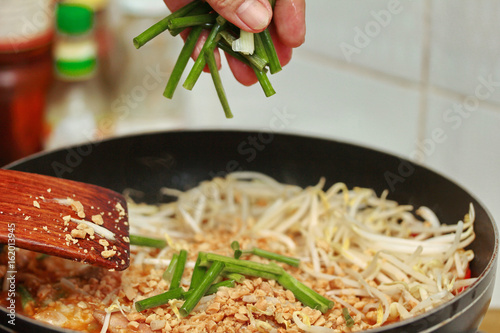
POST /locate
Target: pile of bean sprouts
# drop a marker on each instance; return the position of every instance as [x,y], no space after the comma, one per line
[405,260]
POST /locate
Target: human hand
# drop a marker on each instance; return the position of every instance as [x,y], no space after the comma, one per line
[287,29]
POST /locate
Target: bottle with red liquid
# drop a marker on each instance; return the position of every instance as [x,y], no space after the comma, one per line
[26,34]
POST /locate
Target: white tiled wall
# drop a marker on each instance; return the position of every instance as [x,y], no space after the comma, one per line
[385,74]
[465,44]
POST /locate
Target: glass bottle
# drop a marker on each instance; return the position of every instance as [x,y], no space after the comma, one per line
[78,102]
[26,35]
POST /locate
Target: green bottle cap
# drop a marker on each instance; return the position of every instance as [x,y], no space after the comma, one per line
[74,19]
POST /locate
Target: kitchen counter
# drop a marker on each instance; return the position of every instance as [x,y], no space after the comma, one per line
[491,321]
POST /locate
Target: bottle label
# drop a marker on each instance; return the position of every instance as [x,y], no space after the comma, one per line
[25,24]
[75,69]
[75,59]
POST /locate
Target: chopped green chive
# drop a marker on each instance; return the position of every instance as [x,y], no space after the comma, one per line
[189,21]
[201,9]
[233,276]
[210,270]
[158,300]
[305,294]
[249,271]
[147,241]
[274,256]
[198,273]
[200,62]
[178,270]
[260,51]
[177,293]
[162,25]
[348,319]
[197,293]
[267,41]
[169,272]
[236,248]
[207,258]
[182,61]
[264,82]
[214,72]
[213,288]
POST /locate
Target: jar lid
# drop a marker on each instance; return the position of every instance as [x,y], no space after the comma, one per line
[74,19]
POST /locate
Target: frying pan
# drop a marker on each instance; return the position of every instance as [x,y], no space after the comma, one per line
[182,159]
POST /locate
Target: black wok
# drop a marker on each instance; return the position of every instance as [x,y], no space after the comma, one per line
[183,159]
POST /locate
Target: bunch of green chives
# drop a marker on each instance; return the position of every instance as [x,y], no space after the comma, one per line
[210,268]
[199,16]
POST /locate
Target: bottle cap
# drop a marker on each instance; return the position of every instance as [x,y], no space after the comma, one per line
[74,19]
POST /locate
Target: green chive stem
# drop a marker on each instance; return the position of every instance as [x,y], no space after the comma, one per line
[264,82]
[169,272]
[233,276]
[235,245]
[214,72]
[200,62]
[182,61]
[274,256]
[319,298]
[147,241]
[198,274]
[158,300]
[304,294]
[206,258]
[162,25]
[200,290]
[348,319]
[178,293]
[213,288]
[249,271]
[260,51]
[189,21]
[179,270]
[203,8]
[274,62]
[236,248]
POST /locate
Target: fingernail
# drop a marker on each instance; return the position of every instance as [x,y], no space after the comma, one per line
[254,14]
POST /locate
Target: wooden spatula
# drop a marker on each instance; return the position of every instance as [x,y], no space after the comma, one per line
[64,218]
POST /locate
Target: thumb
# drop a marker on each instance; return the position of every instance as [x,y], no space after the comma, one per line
[249,15]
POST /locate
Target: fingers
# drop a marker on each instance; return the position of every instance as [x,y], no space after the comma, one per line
[289,19]
[249,15]
[242,72]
